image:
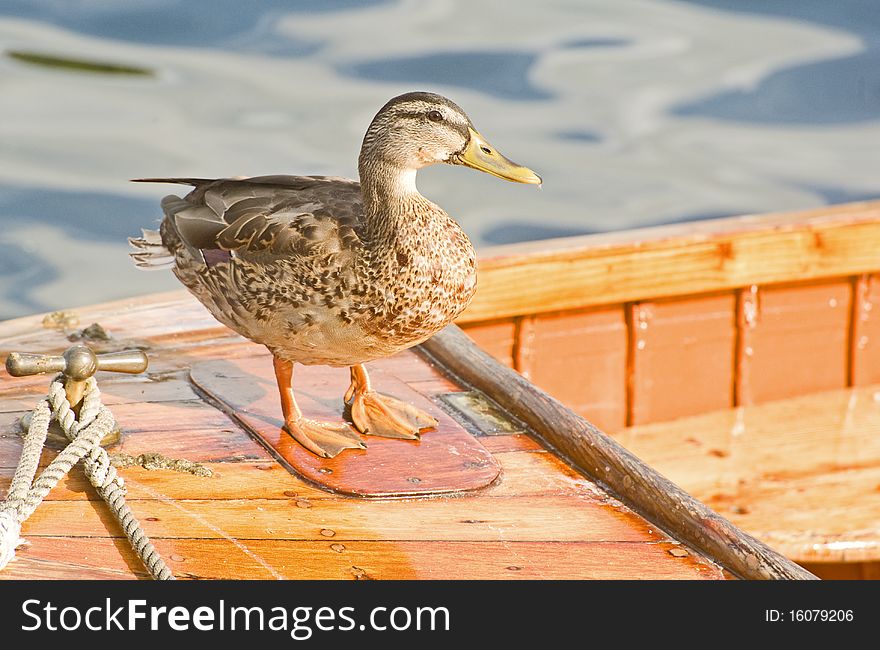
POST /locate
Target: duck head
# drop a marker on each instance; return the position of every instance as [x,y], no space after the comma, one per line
[418,129]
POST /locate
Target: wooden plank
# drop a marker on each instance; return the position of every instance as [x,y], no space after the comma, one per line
[747,306]
[683,259]
[580,358]
[801,474]
[602,459]
[797,342]
[190,430]
[515,519]
[63,558]
[682,357]
[848,571]
[119,318]
[513,443]
[865,340]
[446,459]
[496,337]
[564,518]
[184,429]
[23,395]
[525,474]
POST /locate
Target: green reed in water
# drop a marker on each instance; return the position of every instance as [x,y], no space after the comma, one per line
[79,65]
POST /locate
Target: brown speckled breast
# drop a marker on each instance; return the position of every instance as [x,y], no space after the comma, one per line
[304,274]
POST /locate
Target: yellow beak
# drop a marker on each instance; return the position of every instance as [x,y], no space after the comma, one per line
[479,154]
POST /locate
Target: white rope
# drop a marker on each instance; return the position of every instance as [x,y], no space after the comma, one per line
[10,537]
[85,434]
[12,510]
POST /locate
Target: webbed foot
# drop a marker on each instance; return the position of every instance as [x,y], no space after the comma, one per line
[381,415]
[326,439]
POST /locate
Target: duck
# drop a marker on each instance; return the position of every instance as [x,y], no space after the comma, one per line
[323,270]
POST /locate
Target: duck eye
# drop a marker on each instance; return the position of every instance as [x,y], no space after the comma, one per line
[435,116]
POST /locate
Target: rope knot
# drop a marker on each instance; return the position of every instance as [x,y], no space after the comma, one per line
[85,433]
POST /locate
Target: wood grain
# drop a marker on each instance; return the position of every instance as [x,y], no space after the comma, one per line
[602,459]
[683,259]
[802,474]
[443,518]
[845,571]
[682,357]
[797,342]
[60,557]
[498,338]
[536,473]
[446,460]
[579,357]
[865,339]
[253,519]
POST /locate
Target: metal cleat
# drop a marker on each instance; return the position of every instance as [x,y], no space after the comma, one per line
[77,364]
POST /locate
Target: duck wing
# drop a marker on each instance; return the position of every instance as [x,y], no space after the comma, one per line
[264,218]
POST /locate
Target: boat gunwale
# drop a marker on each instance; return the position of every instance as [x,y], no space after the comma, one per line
[692,258]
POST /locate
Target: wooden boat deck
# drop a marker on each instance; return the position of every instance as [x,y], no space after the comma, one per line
[252,518]
[801,474]
[739,357]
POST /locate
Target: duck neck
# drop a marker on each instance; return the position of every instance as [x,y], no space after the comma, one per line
[390,199]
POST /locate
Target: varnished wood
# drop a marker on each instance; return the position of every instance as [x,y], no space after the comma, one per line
[682,356]
[845,571]
[603,459]
[808,278]
[489,519]
[797,342]
[801,474]
[832,249]
[746,318]
[683,259]
[582,355]
[529,472]
[61,557]
[446,459]
[251,518]
[499,338]
[864,343]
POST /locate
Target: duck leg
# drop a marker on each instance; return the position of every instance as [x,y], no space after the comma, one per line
[326,439]
[382,415]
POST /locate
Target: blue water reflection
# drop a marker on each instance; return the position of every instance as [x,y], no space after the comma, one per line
[856,16]
[635,114]
[97,216]
[838,91]
[501,74]
[232,24]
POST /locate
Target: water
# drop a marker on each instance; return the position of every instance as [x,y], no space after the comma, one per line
[635,113]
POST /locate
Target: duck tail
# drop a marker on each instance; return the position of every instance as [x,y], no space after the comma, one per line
[150,253]
[195,182]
